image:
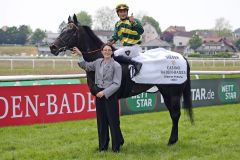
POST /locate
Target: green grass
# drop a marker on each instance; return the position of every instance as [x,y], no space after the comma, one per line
[18,50]
[40,71]
[215,135]
[213,76]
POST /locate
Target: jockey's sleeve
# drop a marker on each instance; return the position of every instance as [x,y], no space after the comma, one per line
[137,26]
[115,35]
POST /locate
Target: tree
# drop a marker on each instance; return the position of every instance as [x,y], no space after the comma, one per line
[237,44]
[195,42]
[23,33]
[14,35]
[10,34]
[3,36]
[61,26]
[223,27]
[84,18]
[153,22]
[37,36]
[105,18]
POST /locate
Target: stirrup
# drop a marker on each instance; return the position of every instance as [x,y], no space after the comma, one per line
[132,71]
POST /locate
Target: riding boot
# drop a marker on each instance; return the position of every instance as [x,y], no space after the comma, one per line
[128,60]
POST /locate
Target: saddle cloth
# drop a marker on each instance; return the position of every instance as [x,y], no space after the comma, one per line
[161,66]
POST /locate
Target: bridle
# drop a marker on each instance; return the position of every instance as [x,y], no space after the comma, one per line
[91,52]
[66,42]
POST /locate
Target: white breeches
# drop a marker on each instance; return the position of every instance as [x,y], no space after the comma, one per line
[128,51]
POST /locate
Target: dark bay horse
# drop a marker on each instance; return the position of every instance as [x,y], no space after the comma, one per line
[89,44]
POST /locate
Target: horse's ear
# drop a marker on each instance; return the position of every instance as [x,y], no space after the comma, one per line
[75,20]
[69,19]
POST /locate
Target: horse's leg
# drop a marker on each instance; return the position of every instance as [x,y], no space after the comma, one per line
[173,104]
[175,114]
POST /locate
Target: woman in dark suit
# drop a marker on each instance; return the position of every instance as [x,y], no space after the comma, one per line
[108,75]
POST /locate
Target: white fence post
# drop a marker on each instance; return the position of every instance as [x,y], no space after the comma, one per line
[11,64]
[33,64]
[71,64]
[53,61]
[196,76]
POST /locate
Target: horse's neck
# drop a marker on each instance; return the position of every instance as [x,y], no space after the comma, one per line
[91,41]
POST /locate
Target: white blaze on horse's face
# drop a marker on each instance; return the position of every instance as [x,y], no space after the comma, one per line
[107,52]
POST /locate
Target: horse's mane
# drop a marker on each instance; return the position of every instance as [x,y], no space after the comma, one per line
[93,36]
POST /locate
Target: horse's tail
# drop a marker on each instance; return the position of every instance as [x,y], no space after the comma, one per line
[187,97]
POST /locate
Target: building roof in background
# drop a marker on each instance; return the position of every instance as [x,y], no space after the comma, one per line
[211,39]
[4,28]
[207,33]
[184,34]
[175,29]
[221,42]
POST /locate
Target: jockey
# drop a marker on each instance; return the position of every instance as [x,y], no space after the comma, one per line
[128,31]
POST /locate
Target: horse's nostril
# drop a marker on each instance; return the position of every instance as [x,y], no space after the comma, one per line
[54,49]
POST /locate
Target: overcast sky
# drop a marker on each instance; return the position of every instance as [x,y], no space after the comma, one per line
[193,14]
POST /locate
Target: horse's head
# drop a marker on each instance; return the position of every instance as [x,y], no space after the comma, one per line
[67,38]
[75,35]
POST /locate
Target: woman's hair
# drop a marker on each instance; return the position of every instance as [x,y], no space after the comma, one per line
[105,44]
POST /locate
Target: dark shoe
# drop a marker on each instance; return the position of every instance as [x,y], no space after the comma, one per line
[137,66]
[122,142]
[116,150]
[103,150]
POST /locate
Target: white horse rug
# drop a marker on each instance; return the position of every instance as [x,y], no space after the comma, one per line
[161,66]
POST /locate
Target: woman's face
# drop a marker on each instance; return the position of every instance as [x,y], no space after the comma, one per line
[107,52]
[123,14]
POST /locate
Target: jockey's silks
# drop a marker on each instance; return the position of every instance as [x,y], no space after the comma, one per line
[128,33]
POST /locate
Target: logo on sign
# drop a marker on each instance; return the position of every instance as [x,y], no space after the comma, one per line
[142,102]
[228,92]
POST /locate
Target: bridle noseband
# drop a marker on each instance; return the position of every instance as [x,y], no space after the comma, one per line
[91,52]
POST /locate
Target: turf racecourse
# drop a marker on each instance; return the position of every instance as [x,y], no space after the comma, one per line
[215,135]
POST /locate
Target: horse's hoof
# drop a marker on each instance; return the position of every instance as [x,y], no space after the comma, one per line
[172,142]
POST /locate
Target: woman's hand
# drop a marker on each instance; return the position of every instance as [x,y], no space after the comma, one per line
[100,94]
[76,51]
